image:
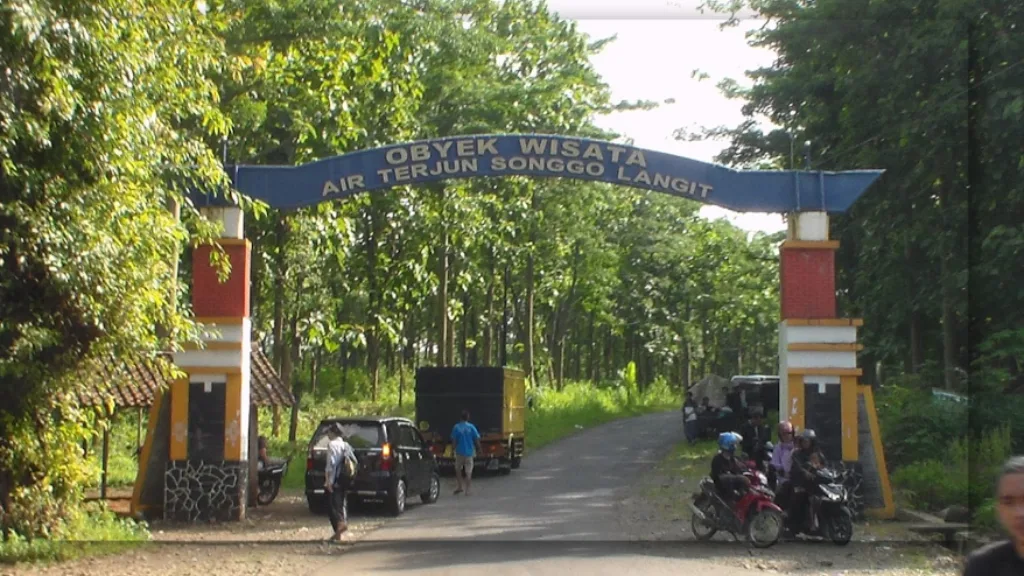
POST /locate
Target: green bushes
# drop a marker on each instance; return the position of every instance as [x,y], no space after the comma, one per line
[947,453]
[964,474]
[916,426]
[87,529]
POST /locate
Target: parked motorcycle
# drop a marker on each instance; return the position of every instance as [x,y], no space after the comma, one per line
[834,518]
[755,514]
[270,477]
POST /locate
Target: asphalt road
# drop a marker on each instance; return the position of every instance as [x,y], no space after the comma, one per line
[554,515]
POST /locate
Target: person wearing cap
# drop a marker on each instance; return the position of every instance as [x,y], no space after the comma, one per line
[335,480]
[1006,557]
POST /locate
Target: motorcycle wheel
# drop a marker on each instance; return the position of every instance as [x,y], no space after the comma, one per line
[267,493]
[704,530]
[839,527]
[765,537]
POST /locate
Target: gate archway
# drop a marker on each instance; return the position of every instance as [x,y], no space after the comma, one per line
[818,371]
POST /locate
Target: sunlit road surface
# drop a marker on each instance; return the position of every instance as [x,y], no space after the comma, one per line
[554,515]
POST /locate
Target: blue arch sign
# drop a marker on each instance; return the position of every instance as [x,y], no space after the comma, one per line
[542,155]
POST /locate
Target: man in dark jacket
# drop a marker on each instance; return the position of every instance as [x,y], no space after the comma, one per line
[806,459]
[726,470]
[1004,558]
[755,433]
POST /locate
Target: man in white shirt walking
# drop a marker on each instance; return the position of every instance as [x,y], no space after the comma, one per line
[336,479]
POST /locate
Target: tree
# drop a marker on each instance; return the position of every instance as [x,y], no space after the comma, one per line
[103,110]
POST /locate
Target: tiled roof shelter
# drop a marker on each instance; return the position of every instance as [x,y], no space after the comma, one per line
[132,383]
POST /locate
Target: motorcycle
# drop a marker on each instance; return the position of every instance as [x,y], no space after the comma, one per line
[749,515]
[270,477]
[831,502]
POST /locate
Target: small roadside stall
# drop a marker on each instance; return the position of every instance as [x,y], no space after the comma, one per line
[131,384]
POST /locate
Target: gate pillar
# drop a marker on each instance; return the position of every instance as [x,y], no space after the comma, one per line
[207,474]
[818,373]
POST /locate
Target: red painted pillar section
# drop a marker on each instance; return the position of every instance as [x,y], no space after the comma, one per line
[212,298]
[808,279]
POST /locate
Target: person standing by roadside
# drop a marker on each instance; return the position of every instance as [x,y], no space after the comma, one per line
[340,469]
[690,418]
[466,439]
[1004,558]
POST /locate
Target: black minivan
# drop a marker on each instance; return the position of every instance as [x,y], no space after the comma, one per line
[394,462]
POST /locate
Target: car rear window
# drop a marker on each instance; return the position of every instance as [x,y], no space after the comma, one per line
[358,434]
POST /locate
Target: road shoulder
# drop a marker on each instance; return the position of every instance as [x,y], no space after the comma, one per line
[657,510]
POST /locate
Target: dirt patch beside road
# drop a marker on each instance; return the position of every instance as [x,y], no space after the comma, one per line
[283,538]
[658,510]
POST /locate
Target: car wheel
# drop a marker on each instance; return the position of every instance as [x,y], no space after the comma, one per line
[396,500]
[431,495]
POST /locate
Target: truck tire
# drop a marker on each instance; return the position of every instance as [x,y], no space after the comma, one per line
[515,463]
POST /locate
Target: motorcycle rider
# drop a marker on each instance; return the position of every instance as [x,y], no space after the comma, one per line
[726,470]
[805,460]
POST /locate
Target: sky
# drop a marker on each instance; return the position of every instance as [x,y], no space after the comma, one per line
[659,44]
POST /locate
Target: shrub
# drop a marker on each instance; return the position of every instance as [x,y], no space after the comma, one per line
[915,426]
[86,529]
[965,476]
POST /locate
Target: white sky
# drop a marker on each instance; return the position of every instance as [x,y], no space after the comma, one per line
[660,43]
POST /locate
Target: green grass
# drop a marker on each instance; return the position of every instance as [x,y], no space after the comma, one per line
[690,460]
[92,530]
[557,413]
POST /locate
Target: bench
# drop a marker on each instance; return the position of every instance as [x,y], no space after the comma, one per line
[948,531]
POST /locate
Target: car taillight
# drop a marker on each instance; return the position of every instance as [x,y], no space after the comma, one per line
[309,464]
[385,457]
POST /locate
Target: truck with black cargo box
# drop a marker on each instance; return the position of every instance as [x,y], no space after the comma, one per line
[496,401]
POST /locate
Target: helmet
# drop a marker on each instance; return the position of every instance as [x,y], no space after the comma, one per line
[809,435]
[786,426]
[728,441]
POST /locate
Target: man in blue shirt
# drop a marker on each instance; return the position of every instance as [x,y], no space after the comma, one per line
[466,439]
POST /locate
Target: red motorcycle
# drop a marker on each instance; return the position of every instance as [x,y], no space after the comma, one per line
[754,514]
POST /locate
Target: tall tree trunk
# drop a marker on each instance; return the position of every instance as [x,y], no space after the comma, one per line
[373,332]
[950,323]
[464,336]
[488,319]
[292,360]
[592,350]
[529,336]
[580,369]
[442,292]
[314,371]
[685,361]
[163,331]
[561,364]
[344,366]
[916,356]
[280,349]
